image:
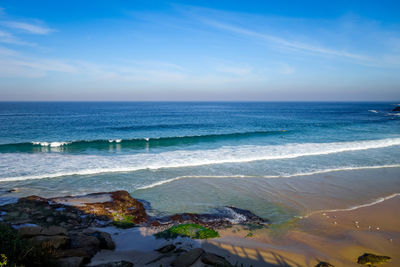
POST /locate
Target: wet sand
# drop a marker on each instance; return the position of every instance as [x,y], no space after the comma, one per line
[337,237]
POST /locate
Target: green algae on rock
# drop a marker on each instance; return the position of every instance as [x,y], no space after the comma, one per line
[191,230]
[372,259]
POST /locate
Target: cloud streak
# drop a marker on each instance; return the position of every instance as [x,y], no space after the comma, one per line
[284,42]
[28,27]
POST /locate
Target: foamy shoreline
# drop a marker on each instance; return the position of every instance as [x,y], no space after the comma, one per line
[336,238]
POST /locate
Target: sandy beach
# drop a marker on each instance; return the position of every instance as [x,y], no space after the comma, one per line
[337,237]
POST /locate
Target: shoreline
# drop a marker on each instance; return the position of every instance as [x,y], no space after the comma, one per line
[337,236]
[310,240]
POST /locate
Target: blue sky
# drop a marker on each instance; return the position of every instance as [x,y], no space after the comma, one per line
[200,50]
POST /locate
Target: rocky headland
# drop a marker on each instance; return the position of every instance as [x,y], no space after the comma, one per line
[66,231]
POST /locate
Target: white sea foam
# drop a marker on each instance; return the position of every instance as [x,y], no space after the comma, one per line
[266,176]
[374,202]
[115,141]
[373,111]
[22,166]
[51,144]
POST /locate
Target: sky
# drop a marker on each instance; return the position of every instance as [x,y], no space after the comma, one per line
[199,50]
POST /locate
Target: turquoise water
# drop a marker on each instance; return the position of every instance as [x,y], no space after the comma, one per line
[197,156]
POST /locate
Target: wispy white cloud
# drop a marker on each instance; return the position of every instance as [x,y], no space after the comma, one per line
[284,42]
[28,27]
[8,38]
[7,52]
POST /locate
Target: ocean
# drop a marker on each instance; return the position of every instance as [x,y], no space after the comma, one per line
[278,159]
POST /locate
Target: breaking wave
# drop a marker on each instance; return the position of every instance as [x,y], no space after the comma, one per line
[22,166]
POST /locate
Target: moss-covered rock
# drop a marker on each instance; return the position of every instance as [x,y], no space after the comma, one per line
[123,221]
[191,230]
[372,259]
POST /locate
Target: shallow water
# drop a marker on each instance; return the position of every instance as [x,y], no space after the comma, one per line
[278,160]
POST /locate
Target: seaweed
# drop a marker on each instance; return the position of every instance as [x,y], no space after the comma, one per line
[191,230]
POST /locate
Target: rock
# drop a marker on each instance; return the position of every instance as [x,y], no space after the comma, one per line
[166,248]
[54,230]
[30,231]
[49,219]
[84,241]
[105,239]
[215,260]
[324,264]
[74,252]
[179,250]
[223,217]
[187,258]
[372,259]
[12,190]
[117,205]
[116,264]
[70,262]
[57,241]
[396,108]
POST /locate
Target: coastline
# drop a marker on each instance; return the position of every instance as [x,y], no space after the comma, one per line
[330,235]
[338,237]
[324,236]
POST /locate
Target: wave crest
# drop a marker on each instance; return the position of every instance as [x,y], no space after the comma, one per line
[21,166]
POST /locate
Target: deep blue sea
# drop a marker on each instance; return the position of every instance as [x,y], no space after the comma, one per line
[276,159]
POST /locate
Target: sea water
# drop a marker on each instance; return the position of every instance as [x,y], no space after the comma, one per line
[276,159]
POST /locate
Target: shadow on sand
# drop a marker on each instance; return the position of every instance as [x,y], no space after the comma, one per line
[244,256]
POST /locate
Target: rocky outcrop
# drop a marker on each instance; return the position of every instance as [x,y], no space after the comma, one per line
[65,224]
[167,248]
[397,109]
[69,262]
[372,259]
[77,212]
[187,258]
[223,217]
[116,264]
[215,260]
[65,227]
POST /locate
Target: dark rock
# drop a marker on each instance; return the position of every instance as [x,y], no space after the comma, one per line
[179,250]
[12,190]
[166,248]
[396,108]
[73,252]
[372,259]
[84,241]
[215,260]
[116,264]
[54,242]
[121,207]
[223,217]
[54,230]
[187,258]
[30,231]
[324,264]
[70,262]
[105,239]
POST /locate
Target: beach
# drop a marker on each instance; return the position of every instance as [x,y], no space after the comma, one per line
[337,237]
[179,133]
[280,183]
